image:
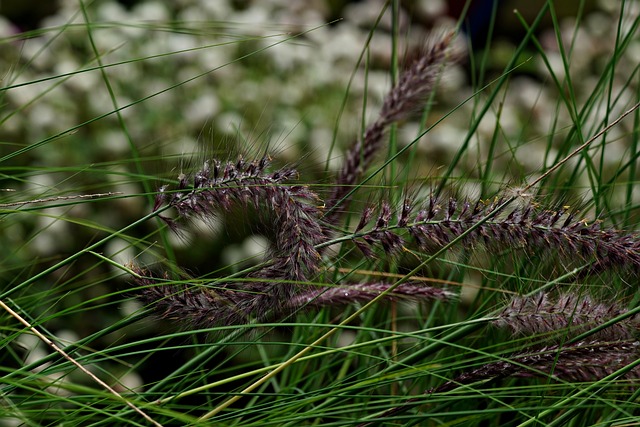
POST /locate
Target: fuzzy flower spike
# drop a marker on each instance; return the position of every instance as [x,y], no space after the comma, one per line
[414,86]
[292,210]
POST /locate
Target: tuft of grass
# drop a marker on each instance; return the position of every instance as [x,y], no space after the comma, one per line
[209,220]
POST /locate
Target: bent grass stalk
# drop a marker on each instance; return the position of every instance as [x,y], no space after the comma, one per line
[220,185]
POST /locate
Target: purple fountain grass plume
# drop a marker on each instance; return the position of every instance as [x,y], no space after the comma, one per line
[579,362]
[364,292]
[189,306]
[437,222]
[293,212]
[380,233]
[217,185]
[292,209]
[203,306]
[226,304]
[301,226]
[413,87]
[276,289]
[541,314]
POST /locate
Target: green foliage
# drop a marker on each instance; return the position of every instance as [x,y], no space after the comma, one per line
[102,106]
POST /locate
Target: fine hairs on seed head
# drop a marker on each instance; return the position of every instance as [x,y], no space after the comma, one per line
[301,221]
